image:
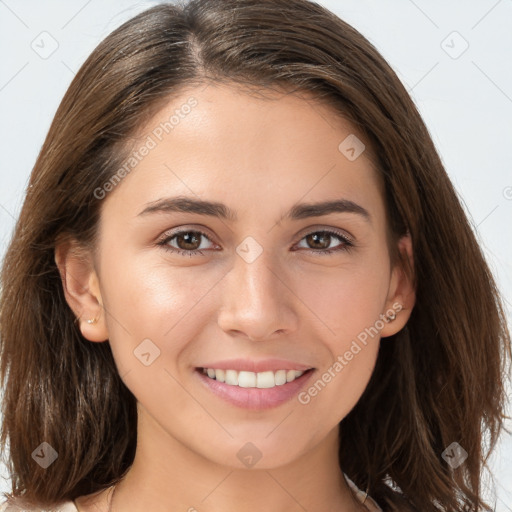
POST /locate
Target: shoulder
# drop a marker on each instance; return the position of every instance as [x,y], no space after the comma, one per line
[390,501]
[397,503]
[18,505]
[365,499]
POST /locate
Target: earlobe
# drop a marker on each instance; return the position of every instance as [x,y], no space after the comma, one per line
[402,294]
[81,289]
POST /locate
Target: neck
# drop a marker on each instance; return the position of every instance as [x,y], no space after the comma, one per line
[167,475]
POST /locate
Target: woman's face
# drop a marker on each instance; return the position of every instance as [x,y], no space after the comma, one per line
[238,275]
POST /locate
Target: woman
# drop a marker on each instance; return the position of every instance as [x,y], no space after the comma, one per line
[239,281]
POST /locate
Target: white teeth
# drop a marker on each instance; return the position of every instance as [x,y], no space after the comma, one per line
[280,377]
[232,377]
[268,379]
[247,379]
[265,380]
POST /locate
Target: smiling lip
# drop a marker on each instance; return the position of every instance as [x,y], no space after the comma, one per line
[255,398]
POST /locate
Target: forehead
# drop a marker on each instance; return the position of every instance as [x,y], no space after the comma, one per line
[251,147]
[234,114]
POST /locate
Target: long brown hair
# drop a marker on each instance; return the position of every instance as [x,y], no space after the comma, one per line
[440,380]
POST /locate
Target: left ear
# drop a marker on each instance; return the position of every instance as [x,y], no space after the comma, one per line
[402,295]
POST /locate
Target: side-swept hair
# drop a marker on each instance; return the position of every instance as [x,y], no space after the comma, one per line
[439,381]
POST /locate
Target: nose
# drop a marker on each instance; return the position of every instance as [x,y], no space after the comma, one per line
[257,300]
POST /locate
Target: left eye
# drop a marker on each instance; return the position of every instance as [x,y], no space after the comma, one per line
[320,237]
[187,242]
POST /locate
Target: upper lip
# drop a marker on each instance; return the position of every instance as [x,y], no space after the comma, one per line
[253,365]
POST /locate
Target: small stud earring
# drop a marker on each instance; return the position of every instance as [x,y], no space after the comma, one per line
[92,320]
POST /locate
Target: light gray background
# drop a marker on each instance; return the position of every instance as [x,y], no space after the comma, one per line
[464,95]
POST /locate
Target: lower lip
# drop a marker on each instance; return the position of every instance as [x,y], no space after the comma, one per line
[255,398]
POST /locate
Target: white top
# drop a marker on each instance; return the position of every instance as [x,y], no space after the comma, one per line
[17,506]
[69,506]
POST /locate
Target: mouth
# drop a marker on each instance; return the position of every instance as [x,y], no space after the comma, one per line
[246,379]
[254,390]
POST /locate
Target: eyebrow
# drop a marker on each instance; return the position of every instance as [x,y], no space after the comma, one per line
[216,209]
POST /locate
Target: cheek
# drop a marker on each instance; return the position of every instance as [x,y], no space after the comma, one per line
[348,303]
[153,314]
[350,314]
[148,299]
[345,300]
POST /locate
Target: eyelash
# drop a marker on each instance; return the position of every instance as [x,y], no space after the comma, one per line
[347,243]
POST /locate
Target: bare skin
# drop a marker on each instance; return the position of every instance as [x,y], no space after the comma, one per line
[260,158]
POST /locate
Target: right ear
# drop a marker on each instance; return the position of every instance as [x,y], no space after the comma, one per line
[81,288]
